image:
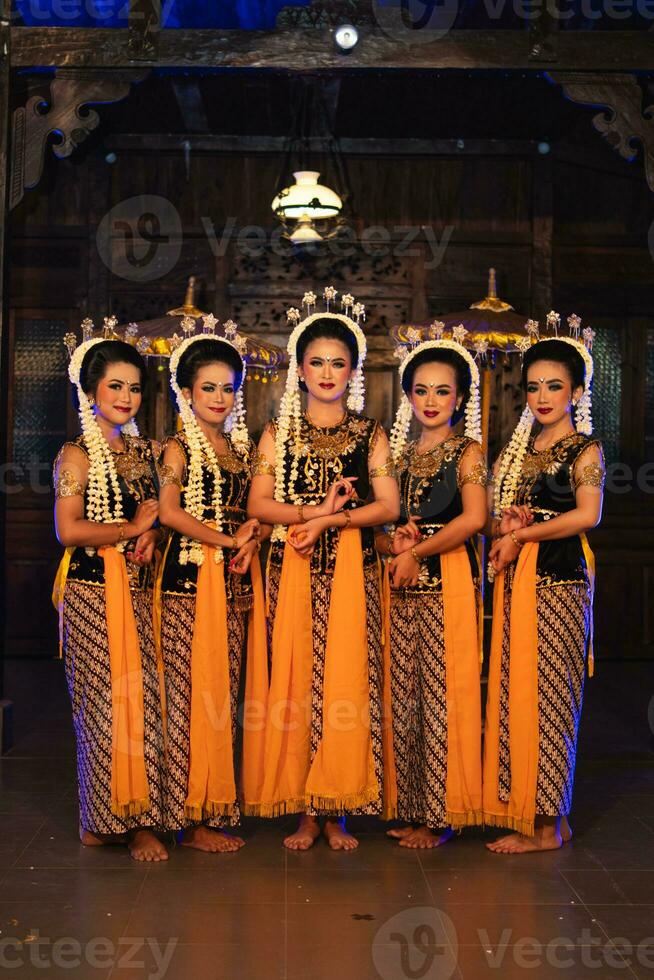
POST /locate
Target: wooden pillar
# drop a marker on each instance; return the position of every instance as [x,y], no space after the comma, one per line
[5,39]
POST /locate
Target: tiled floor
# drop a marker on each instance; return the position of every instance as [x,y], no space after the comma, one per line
[584,911]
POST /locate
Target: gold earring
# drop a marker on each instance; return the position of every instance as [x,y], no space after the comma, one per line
[91,401]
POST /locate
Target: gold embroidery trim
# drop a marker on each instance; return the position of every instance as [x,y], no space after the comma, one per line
[168,477]
[66,485]
[330,445]
[386,469]
[477,474]
[592,475]
[261,466]
[130,464]
[429,463]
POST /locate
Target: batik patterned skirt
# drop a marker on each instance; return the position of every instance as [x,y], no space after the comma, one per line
[321,586]
[177,617]
[88,675]
[563,614]
[419,706]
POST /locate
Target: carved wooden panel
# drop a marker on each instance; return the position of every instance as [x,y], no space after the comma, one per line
[63,115]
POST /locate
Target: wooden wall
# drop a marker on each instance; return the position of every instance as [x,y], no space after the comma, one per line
[559,233]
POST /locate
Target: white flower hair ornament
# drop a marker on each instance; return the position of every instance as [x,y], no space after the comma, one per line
[290,409]
[103,495]
[201,451]
[472,414]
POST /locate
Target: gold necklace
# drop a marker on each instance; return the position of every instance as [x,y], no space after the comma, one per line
[549,445]
[425,452]
[316,426]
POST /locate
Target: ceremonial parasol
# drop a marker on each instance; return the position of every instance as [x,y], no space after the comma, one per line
[157,338]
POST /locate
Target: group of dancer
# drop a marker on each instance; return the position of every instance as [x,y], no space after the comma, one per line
[346,681]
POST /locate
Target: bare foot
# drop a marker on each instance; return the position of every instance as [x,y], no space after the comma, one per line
[144,846]
[520,844]
[213,841]
[399,832]
[337,836]
[100,840]
[566,830]
[424,837]
[307,833]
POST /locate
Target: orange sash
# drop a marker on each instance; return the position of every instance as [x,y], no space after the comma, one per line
[256,692]
[58,589]
[463,794]
[590,566]
[211,783]
[341,775]
[129,782]
[519,813]
[389,810]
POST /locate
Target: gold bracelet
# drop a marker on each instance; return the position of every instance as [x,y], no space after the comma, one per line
[121,533]
[514,538]
[390,538]
[234,543]
[416,556]
[300,513]
[348,519]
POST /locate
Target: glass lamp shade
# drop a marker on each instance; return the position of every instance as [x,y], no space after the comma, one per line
[304,231]
[307,197]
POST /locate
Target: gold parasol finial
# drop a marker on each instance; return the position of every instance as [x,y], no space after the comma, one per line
[491,302]
[188,309]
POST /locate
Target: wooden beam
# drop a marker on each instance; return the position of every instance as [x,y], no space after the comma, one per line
[312,50]
[243,143]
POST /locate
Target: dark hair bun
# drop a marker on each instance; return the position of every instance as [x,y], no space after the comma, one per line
[561,353]
[209,350]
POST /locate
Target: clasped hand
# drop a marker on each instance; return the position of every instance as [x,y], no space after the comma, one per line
[146,536]
[247,544]
[504,549]
[403,568]
[303,537]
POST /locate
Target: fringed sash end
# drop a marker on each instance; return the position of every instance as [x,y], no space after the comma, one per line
[132,809]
